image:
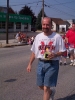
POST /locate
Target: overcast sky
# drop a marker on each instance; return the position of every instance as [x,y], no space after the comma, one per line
[64,9]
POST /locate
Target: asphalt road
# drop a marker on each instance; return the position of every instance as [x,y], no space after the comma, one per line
[17,84]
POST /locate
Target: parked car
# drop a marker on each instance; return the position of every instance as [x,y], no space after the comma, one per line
[33,29]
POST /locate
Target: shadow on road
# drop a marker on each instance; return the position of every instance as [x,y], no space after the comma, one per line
[71,97]
[10,80]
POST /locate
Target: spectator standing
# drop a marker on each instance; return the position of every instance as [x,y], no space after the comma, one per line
[32,40]
[23,37]
[70,39]
[18,37]
[63,59]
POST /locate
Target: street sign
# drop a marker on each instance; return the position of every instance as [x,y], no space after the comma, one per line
[16,18]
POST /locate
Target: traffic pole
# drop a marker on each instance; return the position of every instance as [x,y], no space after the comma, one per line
[42,9]
[7,21]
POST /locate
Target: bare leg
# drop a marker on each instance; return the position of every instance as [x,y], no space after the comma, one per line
[47,92]
[72,57]
[19,40]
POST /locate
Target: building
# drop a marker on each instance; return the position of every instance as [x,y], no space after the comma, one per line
[71,21]
[4,9]
[60,25]
[16,22]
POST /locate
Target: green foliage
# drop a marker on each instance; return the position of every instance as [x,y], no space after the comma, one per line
[27,11]
[38,21]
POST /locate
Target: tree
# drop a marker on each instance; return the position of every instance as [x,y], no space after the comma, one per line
[38,21]
[16,12]
[27,11]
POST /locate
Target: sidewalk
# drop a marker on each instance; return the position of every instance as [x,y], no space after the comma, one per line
[11,42]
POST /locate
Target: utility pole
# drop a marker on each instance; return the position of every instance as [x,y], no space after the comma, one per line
[42,9]
[7,21]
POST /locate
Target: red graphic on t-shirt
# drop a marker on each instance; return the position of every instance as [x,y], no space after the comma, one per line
[52,47]
[43,47]
[50,43]
[42,43]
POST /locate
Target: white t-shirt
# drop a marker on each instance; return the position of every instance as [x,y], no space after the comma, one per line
[17,35]
[52,43]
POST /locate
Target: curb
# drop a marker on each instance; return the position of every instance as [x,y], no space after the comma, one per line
[12,45]
[39,31]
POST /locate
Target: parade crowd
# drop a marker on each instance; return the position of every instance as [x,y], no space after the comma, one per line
[69,39]
[23,38]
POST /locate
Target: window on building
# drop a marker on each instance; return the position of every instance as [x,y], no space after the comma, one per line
[2,25]
[26,26]
[18,25]
[11,25]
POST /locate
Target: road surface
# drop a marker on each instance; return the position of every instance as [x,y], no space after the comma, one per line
[17,84]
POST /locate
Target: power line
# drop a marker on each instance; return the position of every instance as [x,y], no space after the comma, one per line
[62,11]
[66,6]
[36,6]
[58,10]
[47,5]
[24,4]
[61,3]
[44,4]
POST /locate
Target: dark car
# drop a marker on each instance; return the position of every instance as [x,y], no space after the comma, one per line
[33,29]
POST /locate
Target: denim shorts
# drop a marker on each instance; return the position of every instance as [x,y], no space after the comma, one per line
[47,73]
